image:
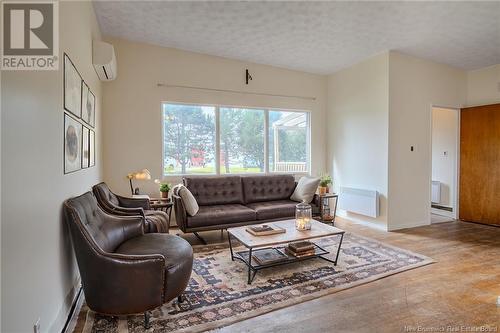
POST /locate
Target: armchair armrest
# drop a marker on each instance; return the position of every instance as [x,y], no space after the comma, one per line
[133,202]
[125,283]
[124,211]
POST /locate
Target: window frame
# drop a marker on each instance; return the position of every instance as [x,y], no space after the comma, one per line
[217,140]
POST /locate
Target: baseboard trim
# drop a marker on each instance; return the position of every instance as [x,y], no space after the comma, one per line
[67,308]
[409,225]
[72,312]
[369,222]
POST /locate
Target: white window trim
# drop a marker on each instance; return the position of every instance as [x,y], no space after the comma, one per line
[217,141]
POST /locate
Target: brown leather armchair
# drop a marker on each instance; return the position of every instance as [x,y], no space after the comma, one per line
[155,221]
[123,270]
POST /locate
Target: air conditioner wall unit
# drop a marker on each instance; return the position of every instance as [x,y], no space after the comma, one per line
[104,60]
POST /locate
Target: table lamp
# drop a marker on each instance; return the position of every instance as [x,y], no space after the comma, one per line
[142,175]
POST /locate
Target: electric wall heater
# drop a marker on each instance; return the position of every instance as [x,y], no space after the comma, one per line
[359,201]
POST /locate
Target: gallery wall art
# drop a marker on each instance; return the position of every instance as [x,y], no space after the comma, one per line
[72,88]
[85,147]
[72,144]
[79,120]
[91,148]
[88,105]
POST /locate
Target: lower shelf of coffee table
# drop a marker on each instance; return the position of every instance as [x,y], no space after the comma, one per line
[287,258]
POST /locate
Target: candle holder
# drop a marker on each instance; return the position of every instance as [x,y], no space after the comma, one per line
[303,216]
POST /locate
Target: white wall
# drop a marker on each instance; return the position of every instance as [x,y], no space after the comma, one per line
[414,86]
[444,152]
[483,86]
[358,112]
[39,274]
[132,121]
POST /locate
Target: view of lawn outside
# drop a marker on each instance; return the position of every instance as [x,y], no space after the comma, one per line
[190,140]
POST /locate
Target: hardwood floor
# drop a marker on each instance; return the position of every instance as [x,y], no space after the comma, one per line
[459,290]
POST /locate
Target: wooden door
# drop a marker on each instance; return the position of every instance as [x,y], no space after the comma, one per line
[480,164]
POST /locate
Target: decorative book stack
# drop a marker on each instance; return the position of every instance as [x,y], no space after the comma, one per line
[301,249]
[265,229]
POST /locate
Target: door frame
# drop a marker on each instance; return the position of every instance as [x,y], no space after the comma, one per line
[456,172]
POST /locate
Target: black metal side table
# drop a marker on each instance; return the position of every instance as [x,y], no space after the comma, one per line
[162,204]
[325,213]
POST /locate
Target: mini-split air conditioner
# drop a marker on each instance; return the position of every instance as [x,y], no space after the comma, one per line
[104,60]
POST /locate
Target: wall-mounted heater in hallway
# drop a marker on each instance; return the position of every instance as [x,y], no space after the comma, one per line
[359,201]
[436,192]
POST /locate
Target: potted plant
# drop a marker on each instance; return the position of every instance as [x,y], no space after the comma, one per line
[164,188]
[325,180]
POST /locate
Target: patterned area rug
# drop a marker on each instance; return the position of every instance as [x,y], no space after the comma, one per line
[218,293]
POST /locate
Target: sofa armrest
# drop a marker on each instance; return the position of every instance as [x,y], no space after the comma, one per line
[180,212]
[315,200]
[133,202]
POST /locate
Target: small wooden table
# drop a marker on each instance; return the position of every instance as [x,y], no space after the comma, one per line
[256,243]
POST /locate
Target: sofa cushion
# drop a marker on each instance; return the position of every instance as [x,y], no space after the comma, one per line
[221,214]
[274,209]
[267,188]
[188,200]
[215,190]
[178,258]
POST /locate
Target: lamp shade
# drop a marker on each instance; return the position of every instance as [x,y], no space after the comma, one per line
[143,174]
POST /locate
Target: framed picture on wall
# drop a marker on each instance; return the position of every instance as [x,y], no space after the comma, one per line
[91,148]
[88,105]
[72,94]
[72,144]
[85,147]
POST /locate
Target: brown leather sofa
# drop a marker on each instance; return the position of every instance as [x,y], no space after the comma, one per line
[229,201]
[155,221]
[123,270]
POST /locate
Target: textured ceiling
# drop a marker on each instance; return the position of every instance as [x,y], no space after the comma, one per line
[317,37]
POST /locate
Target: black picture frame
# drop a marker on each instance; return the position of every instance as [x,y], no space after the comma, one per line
[91,148]
[72,91]
[85,147]
[72,141]
[88,105]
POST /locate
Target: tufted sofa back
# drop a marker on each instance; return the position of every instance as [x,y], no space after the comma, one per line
[90,223]
[267,188]
[216,190]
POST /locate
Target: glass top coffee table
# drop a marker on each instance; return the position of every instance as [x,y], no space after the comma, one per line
[278,242]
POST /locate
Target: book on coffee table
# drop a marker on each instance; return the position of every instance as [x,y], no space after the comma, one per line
[302,254]
[265,229]
[301,246]
[268,256]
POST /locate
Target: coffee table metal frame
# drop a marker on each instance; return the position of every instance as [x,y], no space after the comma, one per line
[253,268]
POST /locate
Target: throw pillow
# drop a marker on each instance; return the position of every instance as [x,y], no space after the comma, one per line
[306,187]
[188,201]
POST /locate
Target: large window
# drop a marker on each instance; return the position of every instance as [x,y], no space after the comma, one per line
[201,139]
[188,139]
[288,141]
[241,140]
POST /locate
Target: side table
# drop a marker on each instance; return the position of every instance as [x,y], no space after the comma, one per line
[163,204]
[325,213]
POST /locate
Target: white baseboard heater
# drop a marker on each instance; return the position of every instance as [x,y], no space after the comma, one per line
[359,201]
[436,192]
